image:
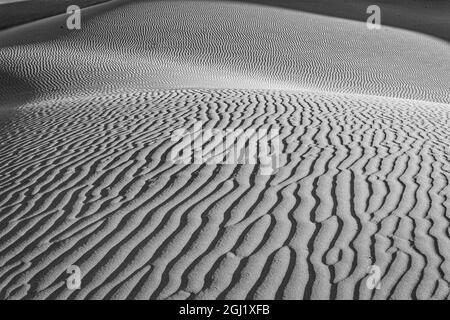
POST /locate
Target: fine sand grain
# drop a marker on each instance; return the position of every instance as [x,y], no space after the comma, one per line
[86,177]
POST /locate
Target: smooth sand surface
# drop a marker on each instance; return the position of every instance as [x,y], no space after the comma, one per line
[86,178]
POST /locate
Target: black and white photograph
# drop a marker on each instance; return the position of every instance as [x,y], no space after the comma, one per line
[224,150]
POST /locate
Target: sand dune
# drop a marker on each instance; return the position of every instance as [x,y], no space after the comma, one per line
[426,16]
[86,177]
[16,12]
[187,44]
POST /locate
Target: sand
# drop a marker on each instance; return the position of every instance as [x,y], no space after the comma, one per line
[86,177]
[16,12]
[425,16]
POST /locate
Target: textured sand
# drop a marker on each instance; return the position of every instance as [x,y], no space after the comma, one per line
[16,12]
[86,179]
[426,16]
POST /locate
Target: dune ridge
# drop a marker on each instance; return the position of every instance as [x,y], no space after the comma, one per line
[86,177]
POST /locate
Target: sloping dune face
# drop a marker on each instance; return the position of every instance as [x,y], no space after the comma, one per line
[173,44]
[87,175]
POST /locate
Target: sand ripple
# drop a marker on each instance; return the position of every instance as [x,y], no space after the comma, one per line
[86,177]
[89,182]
